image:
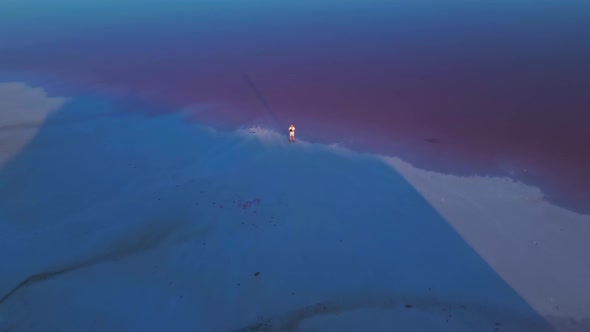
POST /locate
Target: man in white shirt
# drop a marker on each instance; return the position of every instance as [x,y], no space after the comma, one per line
[291,133]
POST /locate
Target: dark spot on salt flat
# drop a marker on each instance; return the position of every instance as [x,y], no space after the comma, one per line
[204,243]
[248,204]
[256,274]
[292,293]
[259,327]
[238,284]
[409,306]
[498,323]
[433,140]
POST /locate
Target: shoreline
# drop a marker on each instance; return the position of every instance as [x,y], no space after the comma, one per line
[428,153]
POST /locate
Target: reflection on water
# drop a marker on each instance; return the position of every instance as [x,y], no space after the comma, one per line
[494,86]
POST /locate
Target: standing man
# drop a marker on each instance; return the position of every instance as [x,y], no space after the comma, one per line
[291,133]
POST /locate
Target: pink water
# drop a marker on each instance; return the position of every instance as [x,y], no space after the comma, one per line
[497,88]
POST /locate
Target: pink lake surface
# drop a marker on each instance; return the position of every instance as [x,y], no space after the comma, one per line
[496,88]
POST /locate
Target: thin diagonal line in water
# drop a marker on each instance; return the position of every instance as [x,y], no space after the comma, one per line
[262,100]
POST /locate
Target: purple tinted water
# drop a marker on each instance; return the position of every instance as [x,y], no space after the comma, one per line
[459,87]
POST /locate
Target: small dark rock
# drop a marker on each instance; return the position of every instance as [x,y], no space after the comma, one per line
[256,274]
[409,306]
